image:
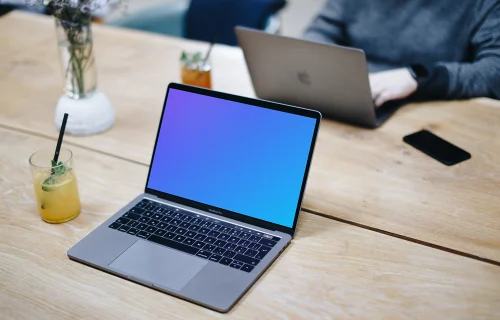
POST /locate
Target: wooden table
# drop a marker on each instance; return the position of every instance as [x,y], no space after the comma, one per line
[335,267]
[369,178]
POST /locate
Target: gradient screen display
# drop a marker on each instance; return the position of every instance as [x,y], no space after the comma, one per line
[238,157]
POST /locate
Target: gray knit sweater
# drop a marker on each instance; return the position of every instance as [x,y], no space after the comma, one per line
[458,40]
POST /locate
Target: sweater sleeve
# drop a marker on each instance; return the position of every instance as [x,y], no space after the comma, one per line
[479,78]
[328,26]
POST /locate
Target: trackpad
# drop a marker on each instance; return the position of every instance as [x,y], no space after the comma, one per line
[158,265]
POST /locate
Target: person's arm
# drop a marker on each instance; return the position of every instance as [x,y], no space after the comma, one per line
[328,26]
[479,78]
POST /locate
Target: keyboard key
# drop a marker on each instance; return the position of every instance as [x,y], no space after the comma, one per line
[159,210]
[144,219]
[234,232]
[194,228]
[198,244]
[214,234]
[143,204]
[196,221]
[234,240]
[114,225]
[132,216]
[153,223]
[267,242]
[175,222]
[133,231]
[171,228]
[142,226]
[151,229]
[247,260]
[179,238]
[147,214]
[260,255]
[253,246]
[123,220]
[254,238]
[244,243]
[236,265]
[225,261]
[204,254]
[219,250]
[247,268]
[215,227]
[162,225]
[215,258]
[169,235]
[157,216]
[123,228]
[132,223]
[206,224]
[225,229]
[223,236]
[264,249]
[209,247]
[220,243]
[180,231]
[185,225]
[200,237]
[189,241]
[229,254]
[150,207]
[187,218]
[240,249]
[177,215]
[173,244]
[203,230]
[190,234]
[245,235]
[230,246]
[143,234]
[251,253]
[166,219]
[210,240]
[160,232]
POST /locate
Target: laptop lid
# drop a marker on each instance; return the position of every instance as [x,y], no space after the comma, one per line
[329,78]
[237,157]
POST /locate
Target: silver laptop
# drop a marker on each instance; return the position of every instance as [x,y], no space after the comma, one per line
[328,78]
[221,201]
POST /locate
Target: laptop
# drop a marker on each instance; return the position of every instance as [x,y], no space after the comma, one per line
[329,78]
[221,200]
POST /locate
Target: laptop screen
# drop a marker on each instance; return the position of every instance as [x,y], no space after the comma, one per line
[233,156]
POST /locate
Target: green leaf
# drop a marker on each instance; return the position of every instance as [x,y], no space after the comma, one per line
[184,56]
[197,57]
[58,169]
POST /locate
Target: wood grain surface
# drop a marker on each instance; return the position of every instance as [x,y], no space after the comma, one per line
[366,177]
[331,269]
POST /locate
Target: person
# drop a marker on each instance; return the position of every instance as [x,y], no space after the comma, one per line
[419,49]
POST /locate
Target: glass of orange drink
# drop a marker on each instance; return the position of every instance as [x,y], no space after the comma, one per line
[196,71]
[55,186]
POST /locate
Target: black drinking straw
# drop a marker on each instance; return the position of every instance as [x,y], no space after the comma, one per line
[59,141]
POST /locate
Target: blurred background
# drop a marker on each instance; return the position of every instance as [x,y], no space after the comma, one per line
[294,17]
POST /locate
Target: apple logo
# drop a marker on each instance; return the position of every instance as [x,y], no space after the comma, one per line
[304,77]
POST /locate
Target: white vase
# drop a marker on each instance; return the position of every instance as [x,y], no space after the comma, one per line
[90,115]
[89,110]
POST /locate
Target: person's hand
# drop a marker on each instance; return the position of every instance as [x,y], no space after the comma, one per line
[391,85]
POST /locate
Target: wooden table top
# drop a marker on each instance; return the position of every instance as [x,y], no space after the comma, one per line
[330,270]
[369,178]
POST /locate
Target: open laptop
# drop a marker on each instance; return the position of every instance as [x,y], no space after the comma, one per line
[328,78]
[221,201]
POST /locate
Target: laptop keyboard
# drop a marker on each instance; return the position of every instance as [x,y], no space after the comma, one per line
[215,240]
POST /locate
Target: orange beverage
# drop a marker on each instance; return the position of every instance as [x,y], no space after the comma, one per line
[198,74]
[55,186]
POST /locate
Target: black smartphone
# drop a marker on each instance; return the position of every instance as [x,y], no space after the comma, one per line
[437,148]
